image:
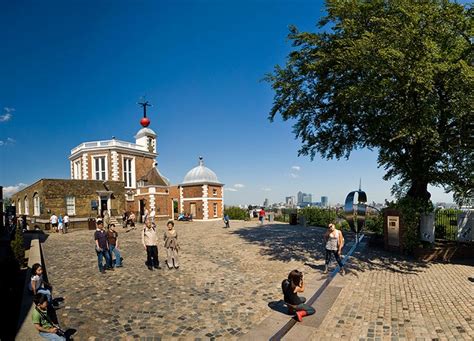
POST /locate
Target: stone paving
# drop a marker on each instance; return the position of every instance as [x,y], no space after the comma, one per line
[226,279]
[391,298]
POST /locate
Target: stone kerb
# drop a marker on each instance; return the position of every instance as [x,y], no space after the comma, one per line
[26,329]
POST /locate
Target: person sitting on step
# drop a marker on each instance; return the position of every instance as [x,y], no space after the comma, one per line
[291,287]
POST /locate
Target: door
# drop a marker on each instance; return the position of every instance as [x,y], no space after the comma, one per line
[103,205]
[142,210]
[192,207]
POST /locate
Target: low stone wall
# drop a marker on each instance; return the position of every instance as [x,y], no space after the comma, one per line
[26,329]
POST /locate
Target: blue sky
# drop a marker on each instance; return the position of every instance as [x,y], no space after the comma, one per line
[72,71]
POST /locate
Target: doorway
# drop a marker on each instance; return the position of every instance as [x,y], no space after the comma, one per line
[142,209]
[104,205]
[192,208]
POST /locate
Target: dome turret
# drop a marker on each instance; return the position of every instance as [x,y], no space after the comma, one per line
[200,175]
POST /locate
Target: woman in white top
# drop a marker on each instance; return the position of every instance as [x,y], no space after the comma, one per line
[38,284]
[334,243]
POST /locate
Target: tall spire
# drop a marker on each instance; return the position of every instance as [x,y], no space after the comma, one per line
[360,184]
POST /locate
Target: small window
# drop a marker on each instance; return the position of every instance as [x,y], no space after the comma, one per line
[36,205]
[214,192]
[71,205]
[129,197]
[215,210]
[27,206]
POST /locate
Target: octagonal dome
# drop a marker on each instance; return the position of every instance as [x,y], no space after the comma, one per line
[200,174]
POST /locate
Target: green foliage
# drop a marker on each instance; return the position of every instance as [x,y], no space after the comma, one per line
[236,213]
[395,76]
[411,210]
[316,216]
[17,246]
[374,224]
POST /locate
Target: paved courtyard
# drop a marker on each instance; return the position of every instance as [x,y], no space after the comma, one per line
[228,277]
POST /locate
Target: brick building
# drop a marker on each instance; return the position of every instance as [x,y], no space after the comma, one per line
[120,176]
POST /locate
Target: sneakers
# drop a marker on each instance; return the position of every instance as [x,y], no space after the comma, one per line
[325,269]
[158,267]
[342,271]
[150,268]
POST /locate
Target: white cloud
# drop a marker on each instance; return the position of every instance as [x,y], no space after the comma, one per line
[239,186]
[8,191]
[296,168]
[230,189]
[6,142]
[6,114]
[293,175]
[266,189]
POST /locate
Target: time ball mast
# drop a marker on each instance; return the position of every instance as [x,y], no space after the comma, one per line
[145,121]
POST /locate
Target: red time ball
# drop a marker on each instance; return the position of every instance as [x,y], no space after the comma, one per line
[145,122]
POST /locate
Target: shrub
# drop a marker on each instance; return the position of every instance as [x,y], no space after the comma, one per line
[318,216]
[18,247]
[375,224]
[236,213]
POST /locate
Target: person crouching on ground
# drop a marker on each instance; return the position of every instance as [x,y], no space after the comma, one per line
[291,287]
[150,243]
[172,246]
[42,321]
[112,238]
[102,247]
[334,243]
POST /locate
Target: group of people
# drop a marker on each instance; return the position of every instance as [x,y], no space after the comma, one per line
[59,224]
[128,218]
[294,284]
[107,247]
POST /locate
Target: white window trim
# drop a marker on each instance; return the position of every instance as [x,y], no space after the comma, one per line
[74,205]
[27,206]
[95,156]
[77,166]
[36,205]
[134,180]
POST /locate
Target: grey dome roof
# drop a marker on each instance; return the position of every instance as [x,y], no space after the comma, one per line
[145,132]
[200,174]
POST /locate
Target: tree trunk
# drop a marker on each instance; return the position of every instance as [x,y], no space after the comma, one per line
[419,190]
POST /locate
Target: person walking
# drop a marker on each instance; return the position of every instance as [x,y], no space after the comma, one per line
[150,243]
[227,221]
[106,219]
[102,247]
[43,322]
[291,287]
[60,224]
[334,244]
[131,219]
[152,215]
[66,223]
[54,222]
[261,216]
[171,246]
[112,239]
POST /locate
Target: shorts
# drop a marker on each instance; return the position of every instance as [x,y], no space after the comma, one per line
[54,224]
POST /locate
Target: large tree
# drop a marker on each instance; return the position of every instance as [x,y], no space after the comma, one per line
[393,76]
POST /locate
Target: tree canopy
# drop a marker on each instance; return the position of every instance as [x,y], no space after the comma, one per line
[395,76]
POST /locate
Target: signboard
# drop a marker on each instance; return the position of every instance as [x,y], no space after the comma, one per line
[94,205]
[427,227]
[393,229]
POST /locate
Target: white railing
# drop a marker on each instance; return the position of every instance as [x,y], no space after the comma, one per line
[107,143]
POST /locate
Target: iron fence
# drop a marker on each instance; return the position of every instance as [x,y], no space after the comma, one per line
[446,224]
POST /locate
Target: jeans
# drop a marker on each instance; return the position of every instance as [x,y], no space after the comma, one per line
[336,255]
[152,256]
[118,257]
[51,336]
[302,306]
[100,257]
[46,292]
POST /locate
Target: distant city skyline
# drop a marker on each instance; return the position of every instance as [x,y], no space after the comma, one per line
[91,65]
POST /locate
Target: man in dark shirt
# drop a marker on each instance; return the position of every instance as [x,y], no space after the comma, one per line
[102,247]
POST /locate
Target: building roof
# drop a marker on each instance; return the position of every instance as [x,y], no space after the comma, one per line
[200,174]
[154,178]
[145,132]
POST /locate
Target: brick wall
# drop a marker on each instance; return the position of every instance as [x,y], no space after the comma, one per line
[53,192]
[192,191]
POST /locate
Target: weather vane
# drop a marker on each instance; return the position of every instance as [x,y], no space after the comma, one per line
[145,122]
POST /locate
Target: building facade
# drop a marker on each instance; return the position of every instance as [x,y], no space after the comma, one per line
[118,176]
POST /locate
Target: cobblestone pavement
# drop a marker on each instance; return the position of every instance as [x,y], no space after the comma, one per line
[388,298]
[226,279]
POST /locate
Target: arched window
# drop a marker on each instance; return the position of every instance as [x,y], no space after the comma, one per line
[27,206]
[19,206]
[36,205]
